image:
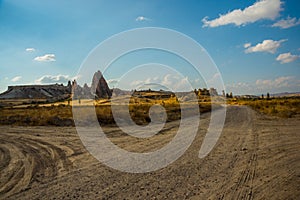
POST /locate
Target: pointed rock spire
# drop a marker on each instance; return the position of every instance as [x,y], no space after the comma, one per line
[99,86]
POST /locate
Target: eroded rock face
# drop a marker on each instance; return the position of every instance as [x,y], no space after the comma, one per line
[99,86]
[99,89]
[87,91]
[76,90]
[53,91]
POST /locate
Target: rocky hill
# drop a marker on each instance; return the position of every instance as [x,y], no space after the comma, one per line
[99,89]
[37,92]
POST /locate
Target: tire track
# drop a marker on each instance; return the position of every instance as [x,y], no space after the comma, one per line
[244,186]
[255,158]
[25,161]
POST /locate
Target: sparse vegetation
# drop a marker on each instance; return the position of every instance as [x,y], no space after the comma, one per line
[60,113]
[281,107]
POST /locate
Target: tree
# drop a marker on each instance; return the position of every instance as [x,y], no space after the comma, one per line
[268,95]
[262,96]
[223,93]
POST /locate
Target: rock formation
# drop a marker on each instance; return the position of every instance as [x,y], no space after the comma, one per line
[99,86]
[54,91]
[76,90]
[98,89]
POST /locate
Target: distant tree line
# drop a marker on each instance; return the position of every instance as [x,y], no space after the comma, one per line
[268,96]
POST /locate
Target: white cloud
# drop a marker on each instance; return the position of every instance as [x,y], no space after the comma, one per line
[280,82]
[137,83]
[216,76]
[112,82]
[16,79]
[216,82]
[287,58]
[77,77]
[45,58]
[142,18]
[172,82]
[240,88]
[260,86]
[30,49]
[247,45]
[176,83]
[269,46]
[263,9]
[287,23]
[53,79]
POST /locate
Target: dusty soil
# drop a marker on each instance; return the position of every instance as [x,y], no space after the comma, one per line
[256,157]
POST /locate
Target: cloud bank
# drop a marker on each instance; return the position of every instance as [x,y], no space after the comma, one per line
[53,79]
[278,84]
[170,82]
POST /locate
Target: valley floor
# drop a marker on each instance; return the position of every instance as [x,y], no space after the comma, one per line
[256,157]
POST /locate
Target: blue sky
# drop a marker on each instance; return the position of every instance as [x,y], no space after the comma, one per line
[255,44]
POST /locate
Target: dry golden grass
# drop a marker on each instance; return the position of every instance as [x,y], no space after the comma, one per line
[37,115]
[60,113]
[280,107]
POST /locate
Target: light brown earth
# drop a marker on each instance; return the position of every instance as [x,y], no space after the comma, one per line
[256,157]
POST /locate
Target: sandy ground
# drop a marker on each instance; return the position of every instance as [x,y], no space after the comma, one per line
[256,157]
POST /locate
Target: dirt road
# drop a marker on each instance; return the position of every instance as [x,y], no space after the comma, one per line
[256,157]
